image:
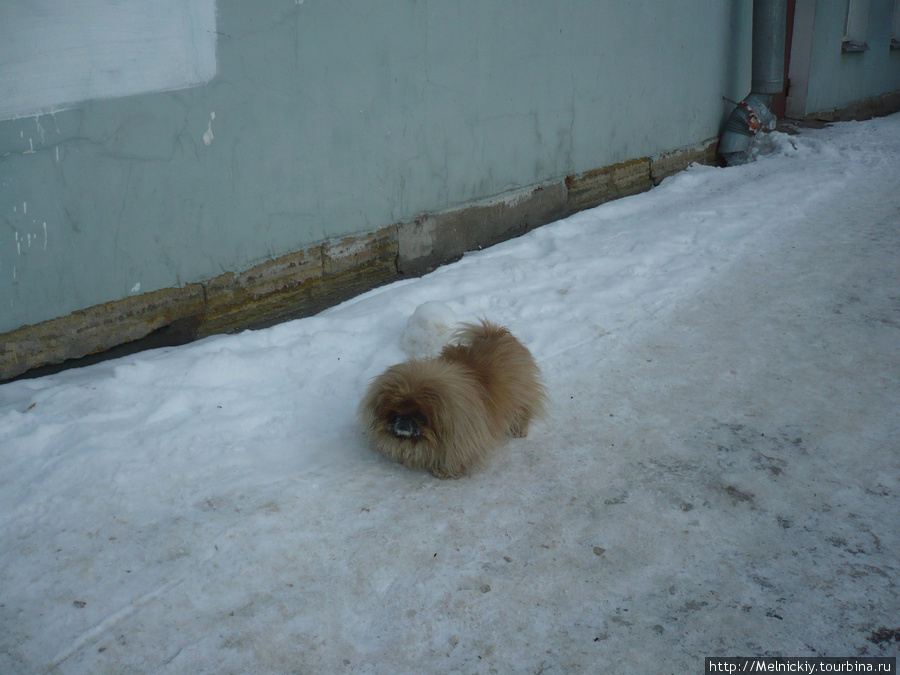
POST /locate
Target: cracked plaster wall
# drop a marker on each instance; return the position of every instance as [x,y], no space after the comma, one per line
[328,119]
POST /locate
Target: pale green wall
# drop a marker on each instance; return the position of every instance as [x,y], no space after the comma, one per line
[337,118]
[837,79]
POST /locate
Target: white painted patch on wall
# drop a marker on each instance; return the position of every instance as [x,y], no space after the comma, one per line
[208,134]
[57,53]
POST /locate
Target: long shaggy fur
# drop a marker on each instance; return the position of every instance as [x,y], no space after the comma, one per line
[446,414]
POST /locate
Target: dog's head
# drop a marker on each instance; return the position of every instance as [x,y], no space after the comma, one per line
[406,406]
[431,414]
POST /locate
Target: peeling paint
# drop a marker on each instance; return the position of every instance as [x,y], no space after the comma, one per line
[208,136]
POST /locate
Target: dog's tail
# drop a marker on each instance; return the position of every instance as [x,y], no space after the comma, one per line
[470,333]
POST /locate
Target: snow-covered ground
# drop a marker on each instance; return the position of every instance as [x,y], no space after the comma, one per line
[718,473]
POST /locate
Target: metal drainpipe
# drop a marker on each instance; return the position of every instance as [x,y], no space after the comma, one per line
[767,79]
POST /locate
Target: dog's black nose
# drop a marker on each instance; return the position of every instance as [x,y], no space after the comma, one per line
[405,426]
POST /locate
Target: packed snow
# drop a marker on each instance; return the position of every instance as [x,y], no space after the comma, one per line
[429,328]
[717,475]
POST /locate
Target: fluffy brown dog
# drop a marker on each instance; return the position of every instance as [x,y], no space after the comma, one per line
[446,414]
